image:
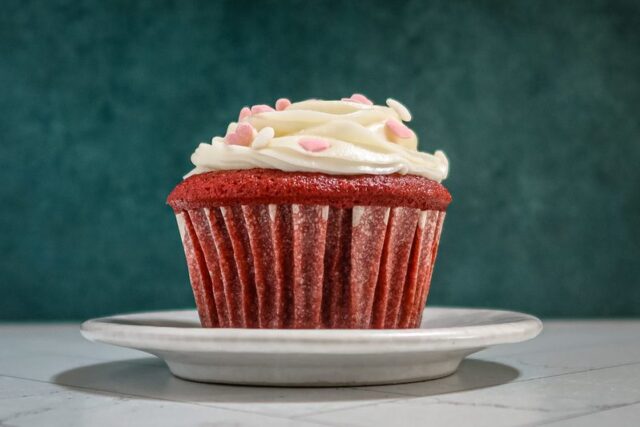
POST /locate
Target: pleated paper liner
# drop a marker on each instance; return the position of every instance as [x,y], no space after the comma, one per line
[310,267]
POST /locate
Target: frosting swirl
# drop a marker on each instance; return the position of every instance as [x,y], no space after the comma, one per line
[347,137]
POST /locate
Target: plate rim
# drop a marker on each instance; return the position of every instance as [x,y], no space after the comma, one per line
[311,341]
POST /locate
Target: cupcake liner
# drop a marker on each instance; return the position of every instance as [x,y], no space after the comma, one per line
[310,266]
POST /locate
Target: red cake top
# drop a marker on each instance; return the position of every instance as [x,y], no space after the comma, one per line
[271,186]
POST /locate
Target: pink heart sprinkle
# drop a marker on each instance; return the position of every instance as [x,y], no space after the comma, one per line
[245,130]
[282,104]
[257,109]
[313,144]
[358,97]
[232,139]
[244,113]
[243,135]
[398,129]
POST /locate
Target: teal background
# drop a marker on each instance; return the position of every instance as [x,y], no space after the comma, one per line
[536,103]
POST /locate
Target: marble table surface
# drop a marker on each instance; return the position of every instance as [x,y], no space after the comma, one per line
[576,373]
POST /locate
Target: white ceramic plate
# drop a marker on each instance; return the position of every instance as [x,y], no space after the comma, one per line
[313,357]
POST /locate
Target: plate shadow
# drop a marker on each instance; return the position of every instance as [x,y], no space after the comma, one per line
[149,378]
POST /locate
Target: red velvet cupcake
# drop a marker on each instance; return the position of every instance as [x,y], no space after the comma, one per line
[318,214]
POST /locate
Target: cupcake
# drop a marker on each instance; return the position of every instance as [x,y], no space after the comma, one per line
[312,215]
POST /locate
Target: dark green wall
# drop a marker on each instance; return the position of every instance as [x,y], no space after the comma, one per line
[537,104]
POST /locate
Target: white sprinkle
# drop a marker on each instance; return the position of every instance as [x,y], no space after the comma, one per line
[402,111]
[263,137]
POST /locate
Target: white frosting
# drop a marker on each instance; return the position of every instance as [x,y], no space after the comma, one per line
[359,142]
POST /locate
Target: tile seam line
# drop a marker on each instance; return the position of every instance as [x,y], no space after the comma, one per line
[579,372]
[543,423]
[304,417]
[551,351]
[179,402]
[88,358]
[407,399]
[583,414]
[503,384]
